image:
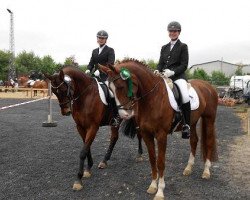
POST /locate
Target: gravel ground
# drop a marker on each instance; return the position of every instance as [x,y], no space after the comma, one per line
[42,163]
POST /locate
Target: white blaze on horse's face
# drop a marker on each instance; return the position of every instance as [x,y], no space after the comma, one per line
[124,114]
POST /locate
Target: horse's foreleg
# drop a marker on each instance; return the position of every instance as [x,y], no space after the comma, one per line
[87,172]
[113,140]
[149,141]
[193,143]
[88,139]
[140,151]
[161,143]
[78,183]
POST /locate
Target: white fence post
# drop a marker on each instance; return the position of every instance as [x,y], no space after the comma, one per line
[49,122]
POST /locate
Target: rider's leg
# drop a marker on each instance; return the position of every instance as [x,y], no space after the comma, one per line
[115,121]
[185,107]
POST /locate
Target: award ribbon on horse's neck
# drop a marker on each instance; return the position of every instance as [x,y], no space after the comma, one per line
[126,75]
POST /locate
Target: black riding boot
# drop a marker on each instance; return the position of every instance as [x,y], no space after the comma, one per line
[186,111]
[115,121]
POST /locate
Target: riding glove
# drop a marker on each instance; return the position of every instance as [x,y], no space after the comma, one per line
[168,72]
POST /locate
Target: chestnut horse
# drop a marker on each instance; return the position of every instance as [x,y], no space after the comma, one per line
[22,81]
[77,94]
[40,85]
[143,95]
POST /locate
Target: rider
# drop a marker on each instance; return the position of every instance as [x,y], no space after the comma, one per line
[103,55]
[173,63]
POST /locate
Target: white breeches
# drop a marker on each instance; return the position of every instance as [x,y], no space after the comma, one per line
[182,84]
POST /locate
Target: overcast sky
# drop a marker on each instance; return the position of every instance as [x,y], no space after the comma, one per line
[212,29]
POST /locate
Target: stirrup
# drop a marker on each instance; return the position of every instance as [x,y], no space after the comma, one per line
[186,131]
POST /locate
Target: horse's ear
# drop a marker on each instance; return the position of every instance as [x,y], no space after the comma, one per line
[47,76]
[61,75]
[104,69]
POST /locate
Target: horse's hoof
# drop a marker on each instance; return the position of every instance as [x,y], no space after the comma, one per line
[206,175]
[187,171]
[139,159]
[102,165]
[86,174]
[152,190]
[77,186]
[158,198]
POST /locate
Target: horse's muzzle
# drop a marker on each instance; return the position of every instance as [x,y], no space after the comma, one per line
[126,114]
[66,111]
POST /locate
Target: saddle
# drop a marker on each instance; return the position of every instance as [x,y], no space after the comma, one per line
[177,96]
[107,98]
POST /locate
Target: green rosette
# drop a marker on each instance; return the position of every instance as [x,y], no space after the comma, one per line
[126,75]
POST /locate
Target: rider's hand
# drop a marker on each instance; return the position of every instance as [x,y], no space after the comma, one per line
[87,71]
[168,72]
[97,73]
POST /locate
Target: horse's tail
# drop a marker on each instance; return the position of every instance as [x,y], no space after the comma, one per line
[208,140]
[128,128]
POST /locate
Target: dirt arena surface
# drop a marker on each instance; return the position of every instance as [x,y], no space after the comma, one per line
[42,163]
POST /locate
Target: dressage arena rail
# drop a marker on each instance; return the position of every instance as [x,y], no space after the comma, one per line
[27,90]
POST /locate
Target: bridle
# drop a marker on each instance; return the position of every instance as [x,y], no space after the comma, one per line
[70,91]
[133,99]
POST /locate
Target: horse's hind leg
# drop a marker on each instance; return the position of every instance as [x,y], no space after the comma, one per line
[208,144]
[193,144]
[113,140]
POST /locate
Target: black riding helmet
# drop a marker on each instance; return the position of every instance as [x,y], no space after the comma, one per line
[102,34]
[174,26]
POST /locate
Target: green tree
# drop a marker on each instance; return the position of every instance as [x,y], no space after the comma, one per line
[152,64]
[48,65]
[239,71]
[219,78]
[188,73]
[200,74]
[4,63]
[26,62]
[70,61]
[83,67]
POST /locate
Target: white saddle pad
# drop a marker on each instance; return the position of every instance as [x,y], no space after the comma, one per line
[101,92]
[194,99]
[31,82]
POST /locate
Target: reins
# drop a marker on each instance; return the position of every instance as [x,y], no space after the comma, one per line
[133,99]
[71,100]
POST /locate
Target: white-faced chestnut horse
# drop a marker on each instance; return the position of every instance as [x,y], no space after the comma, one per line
[141,94]
[78,95]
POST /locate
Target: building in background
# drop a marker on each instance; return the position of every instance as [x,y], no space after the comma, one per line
[246,69]
[227,68]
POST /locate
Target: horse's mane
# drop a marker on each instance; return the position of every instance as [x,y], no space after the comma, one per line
[72,70]
[139,63]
